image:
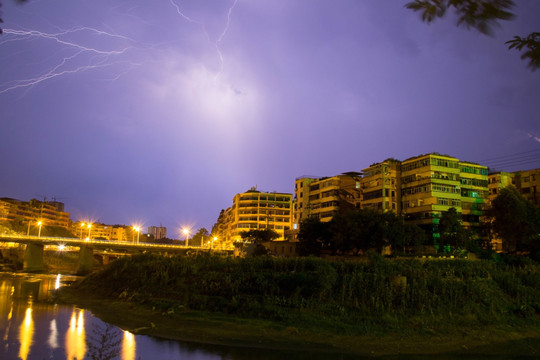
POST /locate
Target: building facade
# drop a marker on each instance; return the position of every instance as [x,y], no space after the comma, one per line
[380,186]
[50,213]
[254,210]
[324,197]
[159,232]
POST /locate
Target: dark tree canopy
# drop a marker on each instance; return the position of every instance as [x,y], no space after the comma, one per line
[531,44]
[259,236]
[516,220]
[357,232]
[451,231]
[482,15]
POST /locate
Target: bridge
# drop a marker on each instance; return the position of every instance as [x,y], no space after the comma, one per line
[33,254]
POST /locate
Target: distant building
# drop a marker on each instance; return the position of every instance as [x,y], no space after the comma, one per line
[324,197]
[159,232]
[380,187]
[254,210]
[420,189]
[51,213]
[528,184]
[85,230]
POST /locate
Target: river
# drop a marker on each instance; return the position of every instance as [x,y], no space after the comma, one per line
[32,326]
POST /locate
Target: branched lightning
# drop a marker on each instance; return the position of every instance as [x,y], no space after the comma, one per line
[219,39]
[99,57]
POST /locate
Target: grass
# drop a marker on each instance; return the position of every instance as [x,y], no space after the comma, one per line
[322,303]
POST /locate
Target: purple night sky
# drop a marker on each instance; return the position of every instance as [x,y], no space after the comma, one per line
[160,111]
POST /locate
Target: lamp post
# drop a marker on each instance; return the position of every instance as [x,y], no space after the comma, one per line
[82,225]
[89,231]
[186,231]
[212,243]
[39,231]
[137,229]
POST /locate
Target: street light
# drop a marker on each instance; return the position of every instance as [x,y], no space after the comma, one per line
[89,231]
[82,225]
[137,229]
[186,231]
[212,243]
[39,231]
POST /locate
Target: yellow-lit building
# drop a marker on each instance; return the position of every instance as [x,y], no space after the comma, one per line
[324,197]
[255,210]
[432,184]
[528,184]
[498,181]
[474,194]
[51,213]
[84,230]
[380,187]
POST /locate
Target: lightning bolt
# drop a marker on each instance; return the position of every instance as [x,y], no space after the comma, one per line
[98,57]
[219,39]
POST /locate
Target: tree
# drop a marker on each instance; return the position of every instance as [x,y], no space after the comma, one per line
[259,236]
[199,237]
[313,237]
[256,238]
[452,233]
[516,220]
[481,15]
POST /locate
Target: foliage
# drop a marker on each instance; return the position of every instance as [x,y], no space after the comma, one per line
[314,291]
[481,15]
[103,344]
[451,231]
[313,237]
[516,220]
[259,236]
[198,238]
[532,45]
[358,231]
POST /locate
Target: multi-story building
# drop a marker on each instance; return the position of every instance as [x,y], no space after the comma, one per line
[324,197]
[84,230]
[51,213]
[528,184]
[380,186]
[255,210]
[429,185]
[498,181]
[433,183]
[159,232]
[474,194]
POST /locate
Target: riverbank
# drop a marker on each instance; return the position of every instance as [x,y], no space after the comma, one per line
[521,340]
[124,296]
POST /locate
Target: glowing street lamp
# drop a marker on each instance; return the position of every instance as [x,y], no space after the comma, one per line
[186,232]
[82,225]
[138,230]
[89,231]
[212,243]
[39,231]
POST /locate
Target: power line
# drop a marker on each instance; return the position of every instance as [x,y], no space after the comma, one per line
[510,155]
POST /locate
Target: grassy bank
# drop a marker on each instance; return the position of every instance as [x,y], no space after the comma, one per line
[315,301]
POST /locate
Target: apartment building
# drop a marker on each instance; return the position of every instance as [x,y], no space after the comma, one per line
[51,213]
[380,186]
[324,197]
[159,232]
[498,181]
[85,230]
[433,183]
[528,184]
[255,210]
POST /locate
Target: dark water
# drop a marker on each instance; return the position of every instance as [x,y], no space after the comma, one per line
[32,327]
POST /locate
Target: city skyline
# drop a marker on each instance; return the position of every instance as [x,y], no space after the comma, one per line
[160,113]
